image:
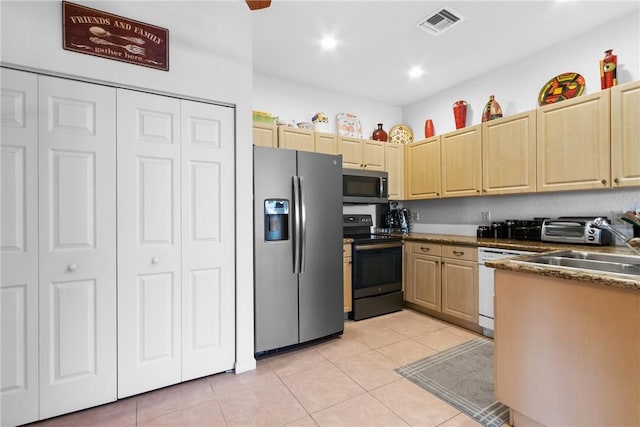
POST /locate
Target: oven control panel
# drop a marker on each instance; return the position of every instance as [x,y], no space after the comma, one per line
[357,220]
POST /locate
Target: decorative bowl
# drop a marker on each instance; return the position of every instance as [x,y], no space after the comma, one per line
[305,125]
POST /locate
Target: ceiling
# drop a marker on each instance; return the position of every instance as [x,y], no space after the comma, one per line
[378,41]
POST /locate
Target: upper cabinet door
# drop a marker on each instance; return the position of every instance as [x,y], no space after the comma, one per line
[351,150]
[462,162]
[19,249]
[625,135]
[394,159]
[208,245]
[295,139]
[373,154]
[422,169]
[509,154]
[149,242]
[77,232]
[573,144]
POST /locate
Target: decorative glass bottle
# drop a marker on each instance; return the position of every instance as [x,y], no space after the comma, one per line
[379,134]
[492,110]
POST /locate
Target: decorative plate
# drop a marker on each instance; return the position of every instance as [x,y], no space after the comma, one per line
[561,87]
[348,125]
[400,134]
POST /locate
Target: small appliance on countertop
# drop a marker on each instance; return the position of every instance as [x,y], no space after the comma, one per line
[398,219]
[575,230]
[518,229]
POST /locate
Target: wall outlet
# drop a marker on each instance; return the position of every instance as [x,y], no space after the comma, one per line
[415,215]
[486,216]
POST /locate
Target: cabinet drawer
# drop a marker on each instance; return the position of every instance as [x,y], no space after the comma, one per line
[460,252]
[346,250]
[426,248]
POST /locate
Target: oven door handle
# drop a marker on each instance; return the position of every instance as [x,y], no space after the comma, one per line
[374,246]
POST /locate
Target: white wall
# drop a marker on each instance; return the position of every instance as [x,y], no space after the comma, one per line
[291,100]
[516,86]
[203,64]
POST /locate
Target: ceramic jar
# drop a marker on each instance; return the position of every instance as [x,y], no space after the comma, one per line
[460,113]
[608,66]
[379,134]
[429,131]
[492,110]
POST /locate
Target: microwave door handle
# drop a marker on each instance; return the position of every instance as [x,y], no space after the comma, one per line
[296,224]
[303,226]
[381,189]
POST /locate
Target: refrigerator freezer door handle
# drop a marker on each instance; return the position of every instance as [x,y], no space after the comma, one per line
[296,224]
[303,226]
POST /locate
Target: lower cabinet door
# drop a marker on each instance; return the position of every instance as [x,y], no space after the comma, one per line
[460,289]
[426,281]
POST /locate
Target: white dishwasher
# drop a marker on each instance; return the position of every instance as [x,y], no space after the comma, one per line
[485,284]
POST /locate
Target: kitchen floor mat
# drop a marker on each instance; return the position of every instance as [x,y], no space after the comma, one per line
[463,377]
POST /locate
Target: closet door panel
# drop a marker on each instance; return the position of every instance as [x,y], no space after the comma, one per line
[19,248]
[77,245]
[208,247]
[149,242]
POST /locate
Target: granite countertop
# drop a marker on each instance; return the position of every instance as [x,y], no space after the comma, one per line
[609,279]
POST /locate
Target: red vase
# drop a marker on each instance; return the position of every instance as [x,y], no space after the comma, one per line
[608,66]
[428,128]
[379,134]
[460,113]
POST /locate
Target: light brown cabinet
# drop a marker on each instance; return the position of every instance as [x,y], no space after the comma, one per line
[422,169]
[361,153]
[346,276]
[442,278]
[573,144]
[265,135]
[422,275]
[509,154]
[296,139]
[460,282]
[461,156]
[394,165]
[625,135]
[326,143]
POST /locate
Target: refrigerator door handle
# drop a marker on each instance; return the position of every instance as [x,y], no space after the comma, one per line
[303,226]
[295,180]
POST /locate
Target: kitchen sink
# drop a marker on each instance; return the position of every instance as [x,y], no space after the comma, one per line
[590,261]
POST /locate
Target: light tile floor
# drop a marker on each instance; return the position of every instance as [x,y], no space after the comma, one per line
[348,380]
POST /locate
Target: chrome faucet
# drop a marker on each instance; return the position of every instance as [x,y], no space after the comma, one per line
[602,224]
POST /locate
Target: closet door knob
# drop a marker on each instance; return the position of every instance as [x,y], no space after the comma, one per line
[72,267]
[155,260]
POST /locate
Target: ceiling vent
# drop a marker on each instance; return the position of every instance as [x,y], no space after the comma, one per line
[440,20]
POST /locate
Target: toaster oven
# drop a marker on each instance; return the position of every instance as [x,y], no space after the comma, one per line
[574,230]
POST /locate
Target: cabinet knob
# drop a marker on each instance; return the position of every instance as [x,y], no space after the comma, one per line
[437,194]
[425,249]
[155,260]
[617,181]
[604,182]
[72,267]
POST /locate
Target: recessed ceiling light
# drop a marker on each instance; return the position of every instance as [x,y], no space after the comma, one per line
[328,42]
[416,72]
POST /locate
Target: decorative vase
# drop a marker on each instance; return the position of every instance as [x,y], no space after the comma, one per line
[460,113]
[608,66]
[379,134]
[428,128]
[491,110]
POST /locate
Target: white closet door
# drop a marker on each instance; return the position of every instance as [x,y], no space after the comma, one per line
[19,251]
[149,318]
[208,248]
[77,194]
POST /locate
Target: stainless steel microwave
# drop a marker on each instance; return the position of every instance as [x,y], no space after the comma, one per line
[363,186]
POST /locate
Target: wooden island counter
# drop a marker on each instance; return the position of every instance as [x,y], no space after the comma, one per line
[567,346]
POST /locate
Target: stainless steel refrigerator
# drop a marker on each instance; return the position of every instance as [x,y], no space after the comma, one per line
[297,247]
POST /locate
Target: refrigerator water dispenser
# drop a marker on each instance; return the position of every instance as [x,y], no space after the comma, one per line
[276,220]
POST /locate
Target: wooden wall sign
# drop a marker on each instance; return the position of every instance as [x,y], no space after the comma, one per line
[97,33]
